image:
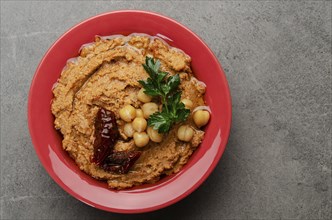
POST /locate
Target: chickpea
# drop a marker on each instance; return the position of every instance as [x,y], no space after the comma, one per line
[154,135]
[201,117]
[139,113]
[128,130]
[149,108]
[143,97]
[185,133]
[187,103]
[127,113]
[141,139]
[139,124]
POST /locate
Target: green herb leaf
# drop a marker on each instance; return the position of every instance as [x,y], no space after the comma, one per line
[160,121]
[173,82]
[167,89]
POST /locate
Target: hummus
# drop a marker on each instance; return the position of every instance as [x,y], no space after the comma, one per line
[106,74]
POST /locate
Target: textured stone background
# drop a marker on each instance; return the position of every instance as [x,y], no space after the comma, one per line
[277,58]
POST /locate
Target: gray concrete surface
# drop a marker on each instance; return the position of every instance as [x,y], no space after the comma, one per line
[277,58]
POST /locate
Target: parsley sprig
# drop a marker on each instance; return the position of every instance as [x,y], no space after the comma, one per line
[167,89]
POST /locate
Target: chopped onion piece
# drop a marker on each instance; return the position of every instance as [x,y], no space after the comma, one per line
[201,83]
[202,107]
[110,37]
[73,60]
[54,85]
[85,45]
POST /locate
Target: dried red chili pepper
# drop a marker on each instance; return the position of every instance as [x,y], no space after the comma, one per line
[106,135]
[121,161]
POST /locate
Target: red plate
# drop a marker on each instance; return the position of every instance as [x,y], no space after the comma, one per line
[61,167]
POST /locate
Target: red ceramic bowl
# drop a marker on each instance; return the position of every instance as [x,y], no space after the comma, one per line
[61,167]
